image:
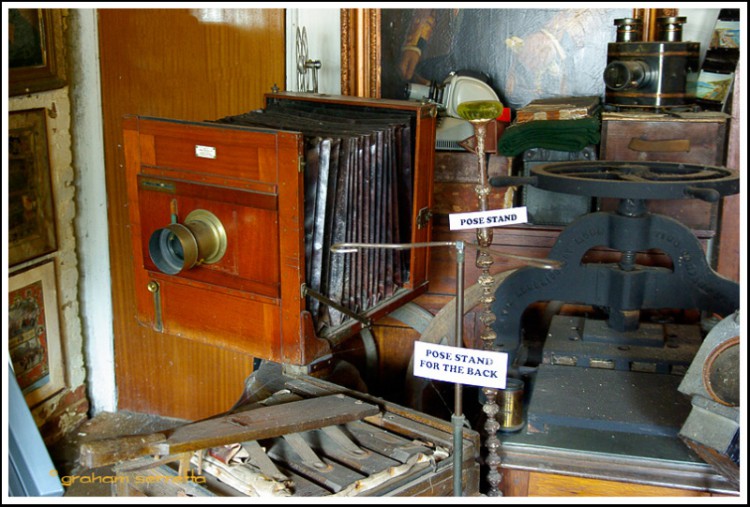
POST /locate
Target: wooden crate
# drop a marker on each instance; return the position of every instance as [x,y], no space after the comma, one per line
[404,453]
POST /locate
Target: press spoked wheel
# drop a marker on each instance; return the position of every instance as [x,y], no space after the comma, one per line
[630,180]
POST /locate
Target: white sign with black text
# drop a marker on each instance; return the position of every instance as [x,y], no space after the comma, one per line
[474,367]
[492,218]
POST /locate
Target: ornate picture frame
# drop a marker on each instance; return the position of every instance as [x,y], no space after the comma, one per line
[36,60]
[31,214]
[360,52]
[34,342]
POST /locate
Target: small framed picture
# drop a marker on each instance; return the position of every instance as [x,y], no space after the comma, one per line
[35,58]
[34,333]
[31,217]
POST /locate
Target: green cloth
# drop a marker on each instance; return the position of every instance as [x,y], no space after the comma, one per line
[560,135]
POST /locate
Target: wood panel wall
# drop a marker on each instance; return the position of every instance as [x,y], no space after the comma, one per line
[188,64]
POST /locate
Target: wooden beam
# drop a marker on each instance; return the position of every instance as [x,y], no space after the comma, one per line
[261,423]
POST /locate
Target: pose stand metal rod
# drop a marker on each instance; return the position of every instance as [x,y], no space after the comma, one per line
[458,420]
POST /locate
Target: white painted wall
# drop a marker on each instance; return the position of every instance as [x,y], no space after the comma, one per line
[323,27]
[699,26]
[92,229]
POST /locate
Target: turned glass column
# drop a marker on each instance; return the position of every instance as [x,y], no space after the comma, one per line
[480,113]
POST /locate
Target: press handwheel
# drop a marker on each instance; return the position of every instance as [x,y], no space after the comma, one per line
[630,180]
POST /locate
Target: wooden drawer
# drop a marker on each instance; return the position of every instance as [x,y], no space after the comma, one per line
[693,138]
[523,483]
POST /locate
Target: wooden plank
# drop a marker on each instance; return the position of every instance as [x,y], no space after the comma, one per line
[303,487]
[565,485]
[414,429]
[261,423]
[402,421]
[269,422]
[104,452]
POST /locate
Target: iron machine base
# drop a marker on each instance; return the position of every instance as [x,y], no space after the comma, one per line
[635,297]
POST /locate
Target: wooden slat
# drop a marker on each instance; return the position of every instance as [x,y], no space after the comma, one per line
[413,429]
[329,474]
[303,487]
[269,422]
[363,461]
[103,452]
[262,423]
[385,443]
[161,481]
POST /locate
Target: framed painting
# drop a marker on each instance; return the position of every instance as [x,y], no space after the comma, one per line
[524,53]
[35,50]
[34,333]
[31,217]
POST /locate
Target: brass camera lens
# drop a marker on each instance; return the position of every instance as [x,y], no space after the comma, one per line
[200,240]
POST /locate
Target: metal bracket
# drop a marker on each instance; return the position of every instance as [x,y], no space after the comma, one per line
[307,291]
[423,217]
[154,289]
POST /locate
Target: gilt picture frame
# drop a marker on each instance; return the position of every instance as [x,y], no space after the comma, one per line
[36,59]
[34,343]
[360,52]
[31,214]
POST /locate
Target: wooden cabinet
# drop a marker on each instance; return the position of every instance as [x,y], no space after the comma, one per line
[690,138]
[524,483]
[697,138]
[581,462]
